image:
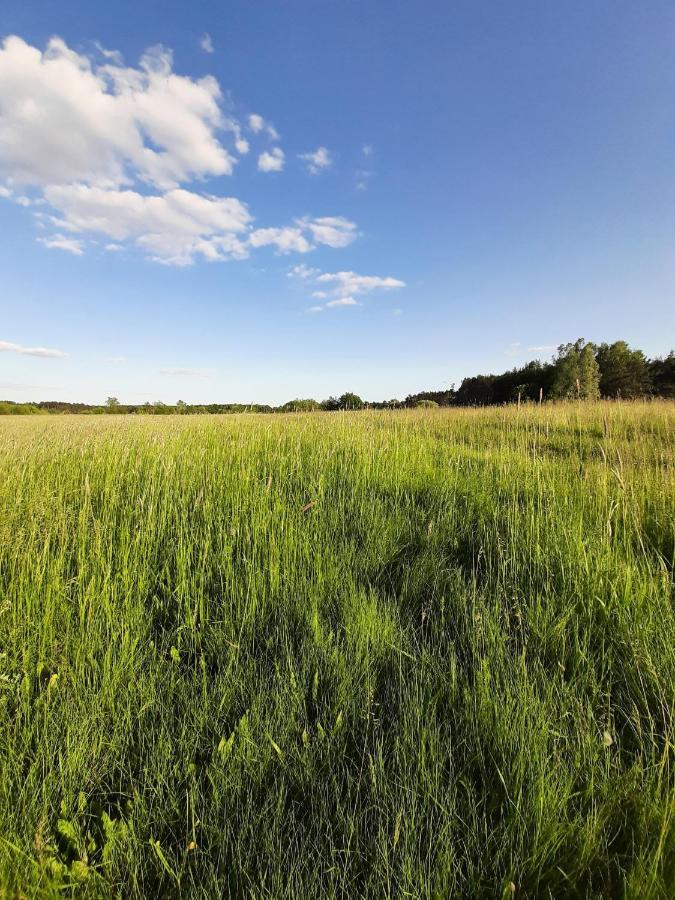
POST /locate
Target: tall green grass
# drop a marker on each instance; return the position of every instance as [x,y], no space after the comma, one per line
[419,654]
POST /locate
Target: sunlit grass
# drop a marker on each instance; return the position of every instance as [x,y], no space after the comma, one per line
[424,653]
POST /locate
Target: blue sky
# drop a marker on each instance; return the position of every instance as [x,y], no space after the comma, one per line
[257,201]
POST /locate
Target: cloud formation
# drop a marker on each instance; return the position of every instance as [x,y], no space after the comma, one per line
[302,271]
[8,347]
[342,301]
[61,242]
[303,236]
[257,125]
[272,161]
[206,43]
[342,288]
[107,149]
[66,120]
[333,231]
[316,161]
[352,283]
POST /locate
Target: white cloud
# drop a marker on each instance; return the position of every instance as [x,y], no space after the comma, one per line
[123,214]
[303,236]
[272,161]
[347,283]
[333,231]
[8,347]
[342,301]
[317,161]
[61,242]
[112,150]
[257,124]
[113,55]
[367,150]
[206,43]
[544,348]
[335,304]
[286,240]
[63,119]
[343,287]
[302,271]
[173,228]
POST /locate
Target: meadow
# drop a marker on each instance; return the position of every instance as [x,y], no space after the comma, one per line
[378,654]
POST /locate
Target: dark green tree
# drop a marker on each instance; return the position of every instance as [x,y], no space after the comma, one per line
[577,374]
[300,406]
[662,375]
[623,372]
[350,401]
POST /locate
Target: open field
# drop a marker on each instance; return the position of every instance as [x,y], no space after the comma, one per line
[451,674]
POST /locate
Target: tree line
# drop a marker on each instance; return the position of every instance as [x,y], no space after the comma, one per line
[580,370]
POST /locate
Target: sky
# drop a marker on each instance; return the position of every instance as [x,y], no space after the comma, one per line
[255,201]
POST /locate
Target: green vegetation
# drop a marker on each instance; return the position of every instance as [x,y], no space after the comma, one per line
[580,371]
[414,654]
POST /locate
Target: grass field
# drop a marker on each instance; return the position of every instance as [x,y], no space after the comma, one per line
[406,654]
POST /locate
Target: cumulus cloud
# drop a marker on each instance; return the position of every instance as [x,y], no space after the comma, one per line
[272,161]
[257,125]
[303,236]
[341,288]
[173,227]
[286,240]
[351,283]
[107,149]
[65,120]
[206,43]
[317,161]
[124,214]
[61,242]
[8,347]
[333,231]
[302,271]
[342,301]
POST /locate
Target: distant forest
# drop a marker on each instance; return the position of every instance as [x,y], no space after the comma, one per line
[579,370]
